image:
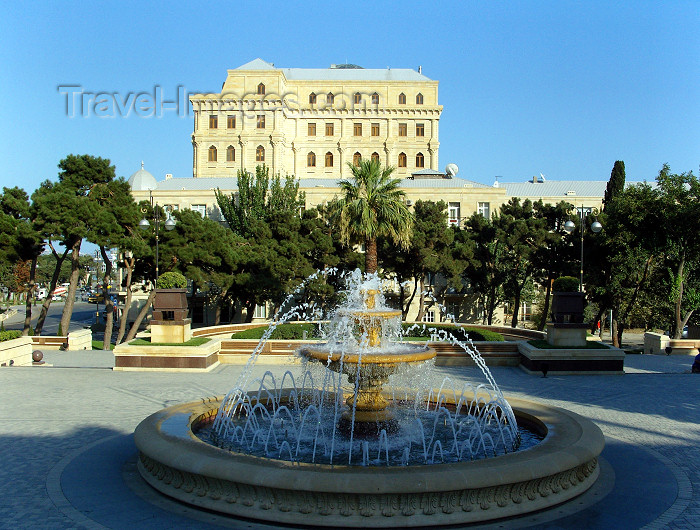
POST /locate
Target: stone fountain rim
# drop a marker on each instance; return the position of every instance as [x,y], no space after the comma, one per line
[571,441]
[420,353]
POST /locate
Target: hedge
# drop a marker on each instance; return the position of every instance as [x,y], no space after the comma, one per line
[10,334]
[288,331]
[459,333]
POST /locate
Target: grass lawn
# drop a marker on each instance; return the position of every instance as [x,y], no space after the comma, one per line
[590,345]
[195,341]
[99,345]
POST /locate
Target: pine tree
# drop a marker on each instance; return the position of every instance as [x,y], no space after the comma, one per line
[616,183]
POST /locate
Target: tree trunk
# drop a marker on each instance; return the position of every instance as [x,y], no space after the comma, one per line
[129,264]
[30,298]
[250,310]
[547,298]
[421,300]
[74,277]
[142,314]
[491,306]
[371,255]
[109,306]
[410,300]
[52,287]
[678,331]
[613,329]
[516,308]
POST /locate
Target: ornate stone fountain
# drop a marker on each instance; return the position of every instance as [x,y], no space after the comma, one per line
[354,453]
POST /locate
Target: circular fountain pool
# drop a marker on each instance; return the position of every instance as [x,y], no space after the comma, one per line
[357,438]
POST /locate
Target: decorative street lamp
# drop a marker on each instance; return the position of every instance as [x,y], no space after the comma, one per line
[144,224]
[596,227]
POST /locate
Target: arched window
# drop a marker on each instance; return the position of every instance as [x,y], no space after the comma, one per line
[357,98]
[329,159]
[230,154]
[330,98]
[402,99]
[356,159]
[312,98]
[375,99]
[260,154]
[375,157]
[311,159]
[402,159]
[261,89]
[420,161]
[212,154]
[419,99]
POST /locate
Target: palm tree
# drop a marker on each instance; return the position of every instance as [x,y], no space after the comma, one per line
[372,206]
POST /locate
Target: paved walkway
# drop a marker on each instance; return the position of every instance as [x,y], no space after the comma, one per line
[68,454]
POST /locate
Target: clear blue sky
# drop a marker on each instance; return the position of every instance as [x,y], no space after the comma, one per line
[560,88]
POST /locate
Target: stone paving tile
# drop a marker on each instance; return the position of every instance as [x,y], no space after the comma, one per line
[49,414]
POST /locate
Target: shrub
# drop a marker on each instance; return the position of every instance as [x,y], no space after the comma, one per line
[171,280]
[10,334]
[290,331]
[565,284]
[462,334]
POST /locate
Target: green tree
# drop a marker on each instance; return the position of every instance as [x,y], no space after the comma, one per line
[430,253]
[523,233]
[372,206]
[679,216]
[20,243]
[114,226]
[63,212]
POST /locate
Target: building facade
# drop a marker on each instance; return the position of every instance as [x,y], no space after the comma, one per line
[311,122]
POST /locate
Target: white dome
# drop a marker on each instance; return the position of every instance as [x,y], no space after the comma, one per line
[142,180]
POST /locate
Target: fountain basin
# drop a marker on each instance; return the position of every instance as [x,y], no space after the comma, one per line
[562,466]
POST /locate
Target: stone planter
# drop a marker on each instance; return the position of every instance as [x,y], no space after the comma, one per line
[567,307]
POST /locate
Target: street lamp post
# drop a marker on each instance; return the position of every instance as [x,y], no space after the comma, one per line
[596,227]
[144,224]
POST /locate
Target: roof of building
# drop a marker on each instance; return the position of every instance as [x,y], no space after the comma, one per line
[339,73]
[142,180]
[555,188]
[231,183]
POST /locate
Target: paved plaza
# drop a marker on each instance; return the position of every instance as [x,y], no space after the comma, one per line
[68,458]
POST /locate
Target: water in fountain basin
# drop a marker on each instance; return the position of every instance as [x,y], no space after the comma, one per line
[299,418]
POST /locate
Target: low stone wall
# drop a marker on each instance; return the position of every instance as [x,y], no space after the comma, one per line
[655,343]
[50,342]
[571,361]
[80,340]
[16,352]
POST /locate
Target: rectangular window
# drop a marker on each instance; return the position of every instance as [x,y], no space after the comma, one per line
[260,311]
[261,121]
[484,209]
[429,316]
[420,129]
[213,121]
[375,129]
[357,129]
[329,129]
[454,213]
[201,209]
[403,129]
[312,129]
[231,122]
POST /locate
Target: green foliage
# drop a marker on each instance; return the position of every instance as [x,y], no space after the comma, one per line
[194,341]
[289,331]
[461,333]
[372,206]
[10,334]
[171,280]
[616,184]
[565,284]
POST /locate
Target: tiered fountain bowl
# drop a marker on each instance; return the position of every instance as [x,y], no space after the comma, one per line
[266,466]
[368,369]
